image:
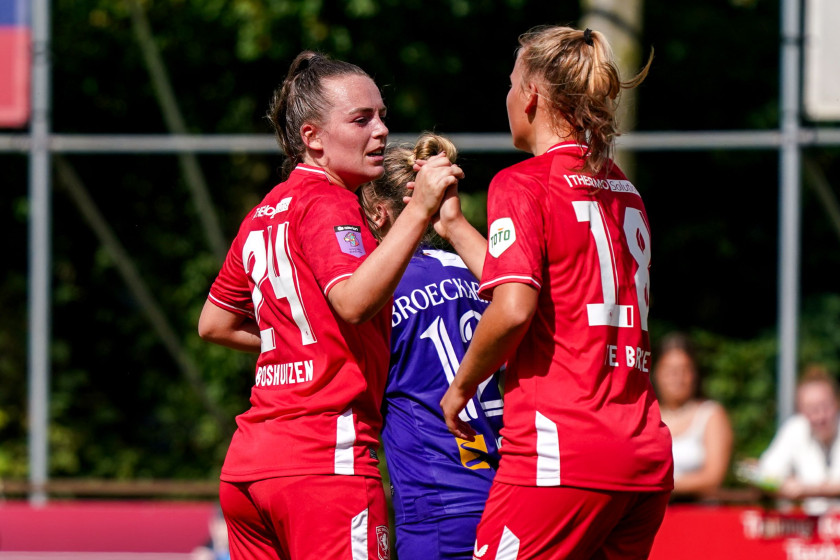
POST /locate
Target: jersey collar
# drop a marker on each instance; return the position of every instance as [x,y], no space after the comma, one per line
[312,170]
[571,147]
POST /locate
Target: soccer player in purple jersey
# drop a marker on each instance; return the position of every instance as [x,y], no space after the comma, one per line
[439,482]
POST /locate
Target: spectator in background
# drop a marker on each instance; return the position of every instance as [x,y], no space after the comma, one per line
[700,428]
[804,456]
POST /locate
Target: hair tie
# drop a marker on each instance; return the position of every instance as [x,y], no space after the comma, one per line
[587,37]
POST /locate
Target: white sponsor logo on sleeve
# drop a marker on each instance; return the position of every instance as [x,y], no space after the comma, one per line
[502,236]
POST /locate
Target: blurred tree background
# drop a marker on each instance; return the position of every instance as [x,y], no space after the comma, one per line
[136,394]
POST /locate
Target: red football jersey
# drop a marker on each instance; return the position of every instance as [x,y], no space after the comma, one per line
[579,406]
[319,380]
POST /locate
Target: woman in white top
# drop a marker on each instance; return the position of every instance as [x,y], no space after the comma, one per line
[700,428]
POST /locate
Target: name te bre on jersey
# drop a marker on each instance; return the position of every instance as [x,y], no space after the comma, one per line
[636,358]
[285,374]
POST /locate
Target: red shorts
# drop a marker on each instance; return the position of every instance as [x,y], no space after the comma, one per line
[554,522]
[312,516]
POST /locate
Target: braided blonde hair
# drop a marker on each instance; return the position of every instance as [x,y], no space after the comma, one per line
[390,189]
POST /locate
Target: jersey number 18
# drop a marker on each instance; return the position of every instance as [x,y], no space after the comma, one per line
[611,312]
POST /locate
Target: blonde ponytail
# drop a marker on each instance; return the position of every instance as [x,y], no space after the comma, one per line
[581,83]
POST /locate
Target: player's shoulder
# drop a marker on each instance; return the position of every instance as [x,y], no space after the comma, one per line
[276,202]
[431,262]
[528,171]
[430,265]
[537,174]
[524,181]
[302,194]
[440,258]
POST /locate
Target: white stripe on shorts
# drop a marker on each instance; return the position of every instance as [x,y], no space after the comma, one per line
[508,546]
[548,452]
[358,536]
[345,437]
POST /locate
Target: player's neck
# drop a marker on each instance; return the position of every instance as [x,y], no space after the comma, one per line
[546,136]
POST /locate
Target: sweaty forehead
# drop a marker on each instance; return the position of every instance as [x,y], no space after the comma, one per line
[353,93]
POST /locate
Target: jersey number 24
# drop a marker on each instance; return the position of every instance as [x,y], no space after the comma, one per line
[271,261]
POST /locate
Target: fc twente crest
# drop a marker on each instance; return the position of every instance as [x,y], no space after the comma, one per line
[383,542]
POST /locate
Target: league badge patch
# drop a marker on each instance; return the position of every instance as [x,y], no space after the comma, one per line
[350,240]
[502,235]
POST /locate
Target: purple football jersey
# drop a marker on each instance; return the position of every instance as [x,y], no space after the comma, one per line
[436,309]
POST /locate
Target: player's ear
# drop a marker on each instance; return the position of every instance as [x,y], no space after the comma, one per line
[533,96]
[381,217]
[310,136]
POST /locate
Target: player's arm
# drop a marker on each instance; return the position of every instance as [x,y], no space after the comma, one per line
[229,329]
[499,332]
[794,489]
[371,286]
[453,226]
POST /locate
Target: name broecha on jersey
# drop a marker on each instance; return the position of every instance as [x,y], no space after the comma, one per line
[432,295]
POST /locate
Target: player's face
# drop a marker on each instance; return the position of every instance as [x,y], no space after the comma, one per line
[676,377]
[817,403]
[516,101]
[352,138]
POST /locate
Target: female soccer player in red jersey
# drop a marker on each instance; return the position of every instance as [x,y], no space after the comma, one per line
[306,286]
[586,466]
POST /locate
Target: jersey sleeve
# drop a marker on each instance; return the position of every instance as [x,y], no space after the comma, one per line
[515,236]
[334,238]
[231,290]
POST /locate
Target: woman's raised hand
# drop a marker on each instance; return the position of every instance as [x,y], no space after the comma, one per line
[435,176]
[449,215]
